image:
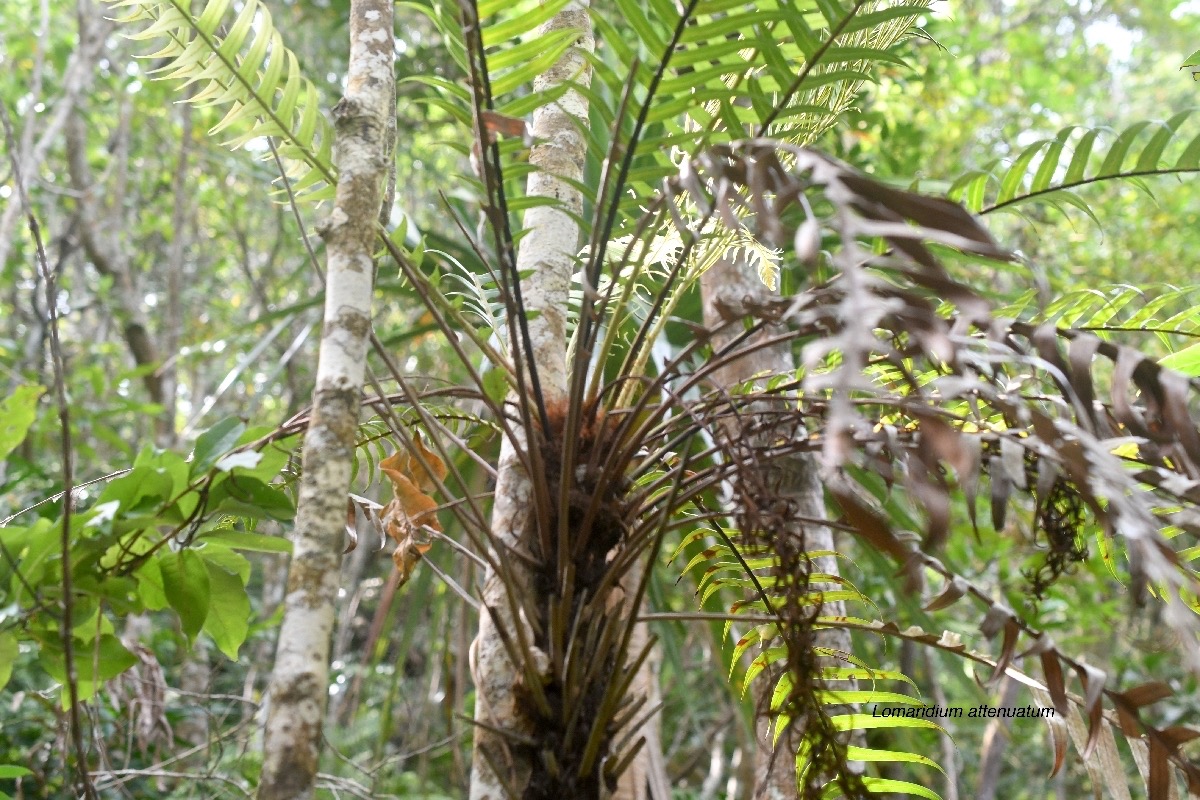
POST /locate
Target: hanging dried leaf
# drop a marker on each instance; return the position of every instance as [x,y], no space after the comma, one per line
[370,512]
[1093,683]
[412,509]
[1046,412]
[955,589]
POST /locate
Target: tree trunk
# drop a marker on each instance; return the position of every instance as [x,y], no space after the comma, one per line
[995,742]
[299,684]
[176,268]
[730,289]
[99,229]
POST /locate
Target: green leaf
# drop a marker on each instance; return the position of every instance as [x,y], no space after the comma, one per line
[228,618]
[173,465]
[855,753]
[8,657]
[37,549]
[17,413]
[274,456]
[214,443]
[226,559]
[240,65]
[882,785]
[1186,361]
[185,583]
[1130,155]
[150,585]
[10,771]
[495,384]
[142,489]
[254,542]
[250,497]
[95,663]
[854,722]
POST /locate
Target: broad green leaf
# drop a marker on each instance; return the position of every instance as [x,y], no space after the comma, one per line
[142,489]
[150,589]
[495,384]
[228,618]
[95,663]
[214,443]
[1186,361]
[17,413]
[251,497]
[185,583]
[226,559]
[274,456]
[8,657]
[254,542]
[10,771]
[38,549]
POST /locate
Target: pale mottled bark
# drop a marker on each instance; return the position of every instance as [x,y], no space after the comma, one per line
[646,777]
[731,289]
[550,247]
[548,252]
[299,683]
[493,671]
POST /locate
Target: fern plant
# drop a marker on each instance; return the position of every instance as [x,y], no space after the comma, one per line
[242,67]
[633,454]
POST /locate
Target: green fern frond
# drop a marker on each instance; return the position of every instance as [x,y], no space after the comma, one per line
[862,684]
[852,721]
[1051,169]
[242,66]
[1163,310]
[742,66]
[516,53]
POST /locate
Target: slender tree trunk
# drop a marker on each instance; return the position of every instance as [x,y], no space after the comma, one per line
[995,742]
[176,267]
[195,678]
[731,289]
[548,253]
[950,757]
[99,229]
[299,684]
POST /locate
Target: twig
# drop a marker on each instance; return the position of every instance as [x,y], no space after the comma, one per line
[130,774]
